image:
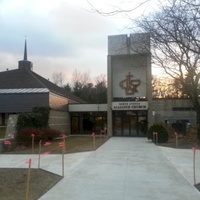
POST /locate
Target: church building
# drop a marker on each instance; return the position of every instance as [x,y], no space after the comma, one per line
[22,89]
[130,108]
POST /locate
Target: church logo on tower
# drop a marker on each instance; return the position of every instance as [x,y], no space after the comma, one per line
[129,84]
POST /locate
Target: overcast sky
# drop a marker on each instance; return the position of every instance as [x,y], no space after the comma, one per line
[62,35]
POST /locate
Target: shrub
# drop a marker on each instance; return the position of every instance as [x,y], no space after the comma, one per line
[29,120]
[162,133]
[38,118]
[44,134]
[44,111]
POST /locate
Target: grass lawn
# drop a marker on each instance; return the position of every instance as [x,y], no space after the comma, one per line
[73,143]
[41,181]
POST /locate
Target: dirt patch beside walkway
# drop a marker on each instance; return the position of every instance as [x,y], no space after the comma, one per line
[13,183]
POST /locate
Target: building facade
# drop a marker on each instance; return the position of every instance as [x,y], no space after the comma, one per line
[129,85]
[130,109]
[22,89]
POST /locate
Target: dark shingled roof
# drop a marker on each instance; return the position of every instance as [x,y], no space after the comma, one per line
[25,78]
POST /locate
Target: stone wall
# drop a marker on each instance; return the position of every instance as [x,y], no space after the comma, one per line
[60,120]
[171,110]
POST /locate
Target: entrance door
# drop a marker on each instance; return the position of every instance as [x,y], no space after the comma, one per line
[118,126]
[133,124]
[126,126]
[129,123]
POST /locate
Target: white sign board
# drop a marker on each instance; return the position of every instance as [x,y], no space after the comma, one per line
[132,105]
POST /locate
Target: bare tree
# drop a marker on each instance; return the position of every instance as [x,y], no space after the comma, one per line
[124,7]
[58,78]
[101,78]
[84,88]
[166,87]
[175,42]
[100,95]
[81,78]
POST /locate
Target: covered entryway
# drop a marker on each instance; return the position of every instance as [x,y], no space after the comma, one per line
[130,123]
[88,118]
[88,122]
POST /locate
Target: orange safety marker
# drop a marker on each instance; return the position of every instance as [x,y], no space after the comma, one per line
[176,137]
[194,168]
[28,178]
[33,138]
[94,140]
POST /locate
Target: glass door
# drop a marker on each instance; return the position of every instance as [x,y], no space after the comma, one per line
[142,123]
[129,123]
[117,124]
[125,124]
[134,125]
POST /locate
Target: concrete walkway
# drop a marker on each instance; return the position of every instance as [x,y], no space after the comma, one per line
[121,169]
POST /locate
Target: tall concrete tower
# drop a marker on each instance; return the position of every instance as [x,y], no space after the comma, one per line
[129,85]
